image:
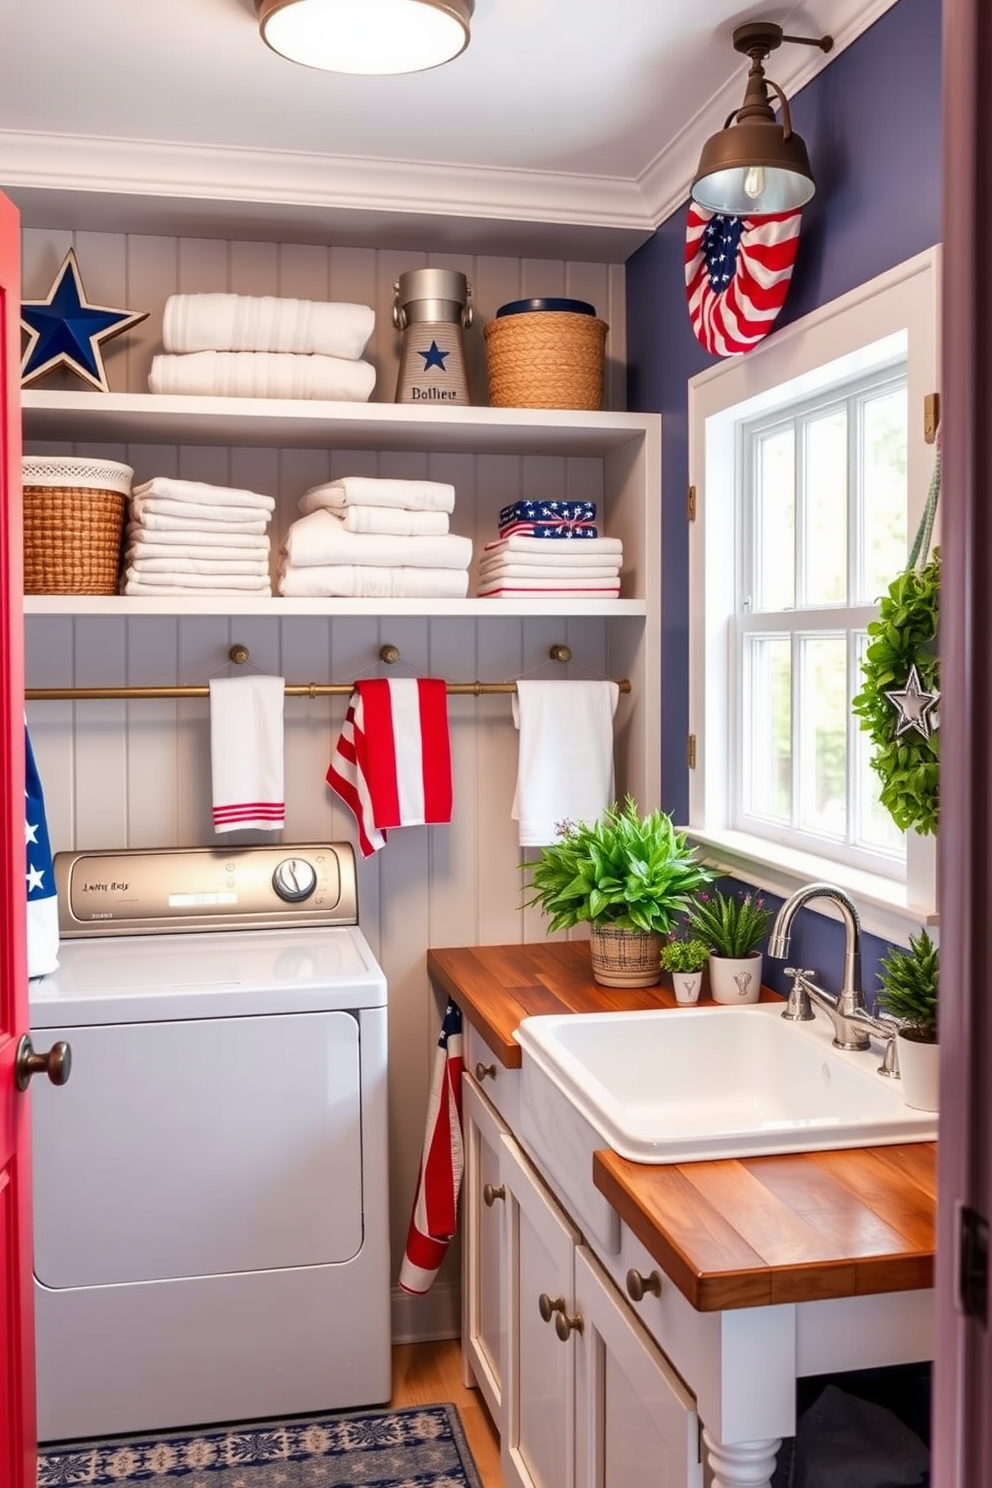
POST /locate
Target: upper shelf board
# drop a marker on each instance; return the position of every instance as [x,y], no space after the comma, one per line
[150,418]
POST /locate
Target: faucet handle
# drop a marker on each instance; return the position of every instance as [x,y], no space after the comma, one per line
[798,1009]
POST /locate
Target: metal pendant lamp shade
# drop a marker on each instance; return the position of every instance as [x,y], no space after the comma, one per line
[756,164]
[367,37]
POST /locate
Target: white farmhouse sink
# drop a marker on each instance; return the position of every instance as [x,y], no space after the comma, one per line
[681,1084]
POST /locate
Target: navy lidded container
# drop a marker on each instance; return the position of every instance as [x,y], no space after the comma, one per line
[522,307]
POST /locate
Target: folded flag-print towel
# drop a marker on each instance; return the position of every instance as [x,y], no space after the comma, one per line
[435,1204]
[392,762]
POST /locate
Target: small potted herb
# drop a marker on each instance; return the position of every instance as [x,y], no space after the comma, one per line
[685,960]
[630,876]
[909,986]
[733,927]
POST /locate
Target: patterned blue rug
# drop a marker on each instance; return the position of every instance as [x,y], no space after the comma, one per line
[419,1447]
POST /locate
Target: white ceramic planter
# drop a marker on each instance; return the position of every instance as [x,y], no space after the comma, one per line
[734,980]
[919,1071]
[687,986]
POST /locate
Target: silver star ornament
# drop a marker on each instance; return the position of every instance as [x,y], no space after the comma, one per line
[914,706]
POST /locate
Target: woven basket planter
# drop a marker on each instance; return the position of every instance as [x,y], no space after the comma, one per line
[546,359]
[624,958]
[73,520]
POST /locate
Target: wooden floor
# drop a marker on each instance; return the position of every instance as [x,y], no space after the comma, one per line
[431,1374]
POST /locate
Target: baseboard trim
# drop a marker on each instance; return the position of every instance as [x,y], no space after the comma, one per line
[437,1314]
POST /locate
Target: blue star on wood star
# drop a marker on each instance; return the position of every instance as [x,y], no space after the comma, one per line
[434,357]
[65,330]
[914,705]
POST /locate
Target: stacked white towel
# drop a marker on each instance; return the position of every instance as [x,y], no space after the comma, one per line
[262,347]
[187,536]
[534,567]
[366,538]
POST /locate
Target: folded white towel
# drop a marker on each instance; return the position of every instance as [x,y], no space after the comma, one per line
[322,538]
[250,583]
[368,582]
[182,564]
[165,488]
[589,588]
[246,753]
[586,549]
[565,764]
[151,521]
[142,586]
[230,322]
[568,554]
[262,374]
[504,570]
[194,541]
[368,490]
[392,521]
[196,511]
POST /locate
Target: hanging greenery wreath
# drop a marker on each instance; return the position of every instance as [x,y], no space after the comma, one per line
[897,704]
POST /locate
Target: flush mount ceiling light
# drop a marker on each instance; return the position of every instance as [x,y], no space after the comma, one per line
[366,36]
[756,164]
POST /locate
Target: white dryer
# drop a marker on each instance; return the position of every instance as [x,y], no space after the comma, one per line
[210,1186]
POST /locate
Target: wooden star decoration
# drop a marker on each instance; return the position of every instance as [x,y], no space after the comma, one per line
[65,330]
[914,706]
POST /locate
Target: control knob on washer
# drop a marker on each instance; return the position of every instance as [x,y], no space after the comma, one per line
[294,879]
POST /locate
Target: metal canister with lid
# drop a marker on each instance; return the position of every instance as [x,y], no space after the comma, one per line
[432,307]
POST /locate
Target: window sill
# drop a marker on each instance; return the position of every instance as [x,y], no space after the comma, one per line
[882,902]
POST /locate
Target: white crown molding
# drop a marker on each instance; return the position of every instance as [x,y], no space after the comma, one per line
[666,182]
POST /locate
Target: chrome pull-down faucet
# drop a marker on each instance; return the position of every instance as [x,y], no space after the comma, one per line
[847,1010]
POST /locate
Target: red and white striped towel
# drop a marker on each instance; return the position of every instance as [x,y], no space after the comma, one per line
[392,762]
[246,753]
[435,1205]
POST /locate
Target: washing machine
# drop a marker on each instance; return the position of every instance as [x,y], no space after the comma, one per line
[210,1185]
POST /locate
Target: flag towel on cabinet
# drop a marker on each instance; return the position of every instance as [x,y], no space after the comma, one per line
[392,762]
[435,1205]
[246,753]
[43,909]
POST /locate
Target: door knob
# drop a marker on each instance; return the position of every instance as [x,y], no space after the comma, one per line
[548,1306]
[638,1285]
[56,1064]
[564,1325]
[491,1194]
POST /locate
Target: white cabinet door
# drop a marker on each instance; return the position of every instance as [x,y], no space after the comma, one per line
[484,1249]
[636,1423]
[538,1446]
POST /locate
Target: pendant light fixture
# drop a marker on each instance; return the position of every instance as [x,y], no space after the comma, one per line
[368,37]
[756,164]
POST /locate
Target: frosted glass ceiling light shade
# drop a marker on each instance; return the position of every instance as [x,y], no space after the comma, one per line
[757,164]
[369,37]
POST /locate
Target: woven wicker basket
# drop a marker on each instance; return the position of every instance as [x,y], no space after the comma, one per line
[546,359]
[73,519]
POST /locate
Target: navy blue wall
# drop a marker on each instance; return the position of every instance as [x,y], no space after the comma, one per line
[872,123]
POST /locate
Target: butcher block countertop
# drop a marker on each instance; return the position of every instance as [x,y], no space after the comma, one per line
[748,1232]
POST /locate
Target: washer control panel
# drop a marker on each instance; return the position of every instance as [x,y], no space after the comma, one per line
[206,888]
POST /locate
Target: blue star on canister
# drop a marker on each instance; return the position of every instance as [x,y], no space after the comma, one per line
[65,330]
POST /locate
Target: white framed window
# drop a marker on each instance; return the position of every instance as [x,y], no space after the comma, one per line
[811,469]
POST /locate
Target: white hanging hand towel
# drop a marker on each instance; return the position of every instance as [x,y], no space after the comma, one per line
[565,764]
[246,753]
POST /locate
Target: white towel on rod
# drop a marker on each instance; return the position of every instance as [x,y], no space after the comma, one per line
[232,322]
[246,753]
[321,538]
[565,762]
[371,490]
[364,581]
[262,374]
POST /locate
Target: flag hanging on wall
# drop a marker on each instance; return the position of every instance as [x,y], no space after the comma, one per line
[737,273]
[43,911]
[435,1205]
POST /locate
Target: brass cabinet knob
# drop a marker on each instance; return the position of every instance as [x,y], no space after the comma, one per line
[637,1285]
[548,1307]
[56,1064]
[482,1070]
[491,1194]
[565,1324]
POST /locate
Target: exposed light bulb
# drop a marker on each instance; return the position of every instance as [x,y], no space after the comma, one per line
[754,182]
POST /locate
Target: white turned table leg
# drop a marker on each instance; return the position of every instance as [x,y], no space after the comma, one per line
[742,1465]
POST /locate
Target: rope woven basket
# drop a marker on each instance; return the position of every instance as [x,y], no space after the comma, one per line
[546,359]
[73,520]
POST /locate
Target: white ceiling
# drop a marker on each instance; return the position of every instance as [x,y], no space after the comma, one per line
[567,127]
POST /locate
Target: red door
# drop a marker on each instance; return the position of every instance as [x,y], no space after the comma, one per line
[17,1410]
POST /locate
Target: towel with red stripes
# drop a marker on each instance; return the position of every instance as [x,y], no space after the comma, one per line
[392,762]
[435,1205]
[246,753]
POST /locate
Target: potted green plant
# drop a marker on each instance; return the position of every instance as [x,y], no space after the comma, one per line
[909,986]
[685,960]
[630,876]
[733,926]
